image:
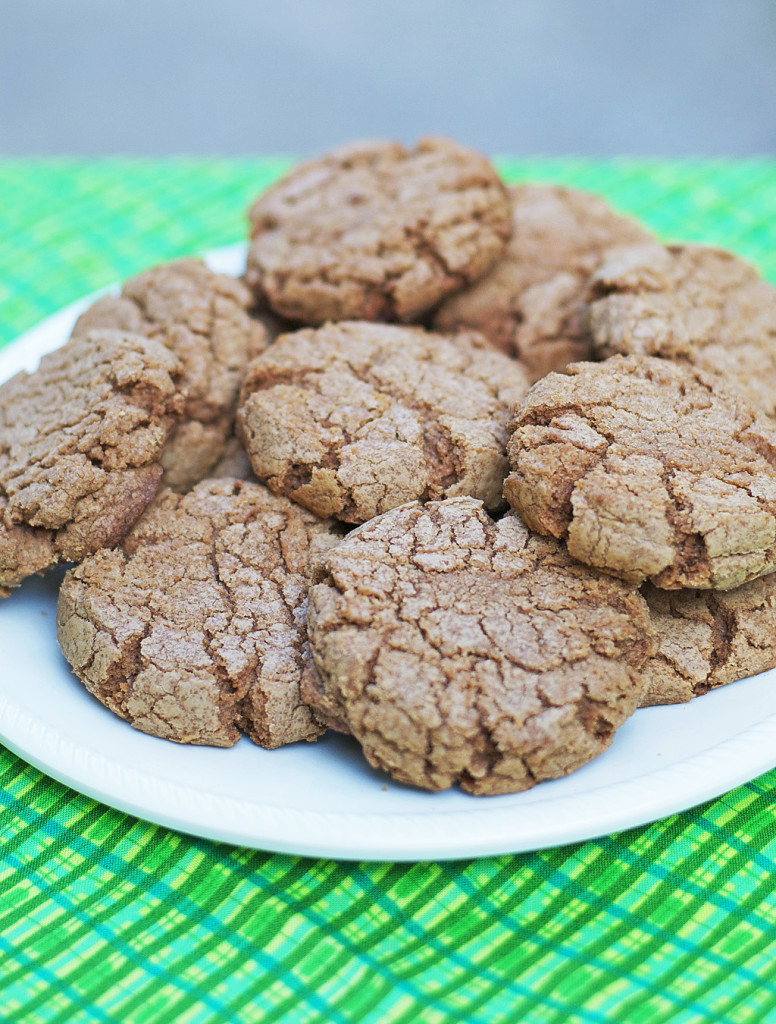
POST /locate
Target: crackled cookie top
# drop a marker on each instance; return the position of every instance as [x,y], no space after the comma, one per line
[195,627]
[372,231]
[461,650]
[694,304]
[532,304]
[650,470]
[202,317]
[80,444]
[355,418]
[707,638]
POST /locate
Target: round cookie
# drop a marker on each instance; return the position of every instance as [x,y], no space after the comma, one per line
[80,444]
[194,628]
[459,650]
[532,303]
[372,231]
[202,317]
[355,418]
[707,638]
[649,469]
[694,304]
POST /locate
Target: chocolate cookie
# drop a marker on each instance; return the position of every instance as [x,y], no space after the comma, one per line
[195,627]
[461,650]
[650,470]
[202,317]
[707,638]
[694,304]
[80,444]
[355,418]
[371,231]
[532,303]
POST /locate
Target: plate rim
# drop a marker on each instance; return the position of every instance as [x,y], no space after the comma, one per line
[446,835]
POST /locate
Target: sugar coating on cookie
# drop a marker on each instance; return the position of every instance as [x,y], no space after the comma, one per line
[373,231]
[707,638]
[356,418]
[194,628]
[202,317]
[694,304]
[532,303]
[459,650]
[649,469]
[81,440]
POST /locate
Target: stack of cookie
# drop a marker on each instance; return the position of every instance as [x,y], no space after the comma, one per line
[467,472]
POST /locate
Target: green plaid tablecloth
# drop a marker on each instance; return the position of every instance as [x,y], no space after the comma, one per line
[106,918]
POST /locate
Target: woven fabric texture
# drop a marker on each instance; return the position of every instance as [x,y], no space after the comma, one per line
[104,918]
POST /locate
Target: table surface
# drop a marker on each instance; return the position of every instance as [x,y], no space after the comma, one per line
[104,917]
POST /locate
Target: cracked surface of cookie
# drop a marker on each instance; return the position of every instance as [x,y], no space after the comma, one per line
[707,638]
[356,418]
[649,469]
[195,627]
[371,231]
[80,444]
[694,304]
[202,317]
[532,303]
[459,650]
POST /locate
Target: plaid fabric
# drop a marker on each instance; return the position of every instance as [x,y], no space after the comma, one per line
[105,918]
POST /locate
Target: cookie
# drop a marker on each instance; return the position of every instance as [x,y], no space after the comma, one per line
[691,303]
[202,317]
[372,231]
[24,551]
[80,444]
[355,418]
[194,628]
[650,470]
[459,650]
[707,638]
[532,303]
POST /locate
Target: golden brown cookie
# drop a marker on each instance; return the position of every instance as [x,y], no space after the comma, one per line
[194,628]
[707,638]
[372,231]
[694,304]
[80,444]
[355,418]
[532,303]
[202,317]
[461,650]
[649,469]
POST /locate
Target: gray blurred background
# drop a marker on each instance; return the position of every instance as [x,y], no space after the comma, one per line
[588,77]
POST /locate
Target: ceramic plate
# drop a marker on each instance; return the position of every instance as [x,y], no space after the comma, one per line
[322,799]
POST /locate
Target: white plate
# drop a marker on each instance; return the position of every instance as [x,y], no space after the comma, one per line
[322,799]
